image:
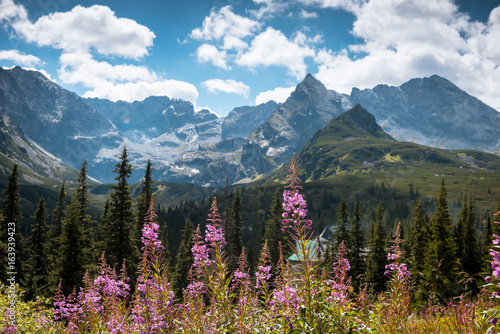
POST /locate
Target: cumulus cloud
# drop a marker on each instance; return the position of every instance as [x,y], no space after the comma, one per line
[414,38]
[308,15]
[226,26]
[207,53]
[268,8]
[273,48]
[138,91]
[279,95]
[83,29]
[227,86]
[83,32]
[20,58]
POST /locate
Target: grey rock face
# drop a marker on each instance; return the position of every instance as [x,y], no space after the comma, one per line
[434,112]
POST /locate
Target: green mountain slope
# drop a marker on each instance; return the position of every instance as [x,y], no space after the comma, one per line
[352,154]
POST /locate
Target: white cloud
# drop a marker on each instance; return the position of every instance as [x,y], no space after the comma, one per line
[207,53]
[9,11]
[226,26]
[227,86]
[19,58]
[268,8]
[279,94]
[308,15]
[83,29]
[272,48]
[82,32]
[138,91]
[414,38]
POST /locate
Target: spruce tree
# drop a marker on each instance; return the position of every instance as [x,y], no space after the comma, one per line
[37,262]
[341,231]
[120,233]
[418,240]
[11,226]
[377,256]
[486,245]
[459,230]
[274,233]
[74,253]
[58,217]
[357,248]
[471,256]
[233,233]
[440,254]
[143,201]
[184,261]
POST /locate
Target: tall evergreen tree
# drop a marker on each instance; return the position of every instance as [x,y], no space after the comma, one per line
[459,230]
[486,244]
[37,263]
[440,255]
[357,248]
[143,201]
[377,256]
[273,231]
[74,253]
[233,232]
[342,228]
[11,213]
[184,261]
[471,256]
[58,217]
[120,233]
[418,240]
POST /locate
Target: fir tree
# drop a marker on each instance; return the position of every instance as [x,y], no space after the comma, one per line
[143,201]
[357,246]
[459,230]
[341,232]
[120,234]
[37,263]
[418,240]
[11,219]
[184,260]
[486,243]
[440,254]
[274,233]
[471,257]
[377,256]
[58,217]
[233,233]
[74,254]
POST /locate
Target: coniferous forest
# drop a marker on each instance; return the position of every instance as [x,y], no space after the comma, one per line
[298,257]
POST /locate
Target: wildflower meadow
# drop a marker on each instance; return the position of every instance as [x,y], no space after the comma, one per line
[298,297]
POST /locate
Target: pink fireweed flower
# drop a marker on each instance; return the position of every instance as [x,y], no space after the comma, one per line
[199,250]
[150,231]
[341,283]
[397,269]
[294,203]
[214,234]
[286,297]
[263,273]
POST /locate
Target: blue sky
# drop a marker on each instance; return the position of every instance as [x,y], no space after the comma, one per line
[226,53]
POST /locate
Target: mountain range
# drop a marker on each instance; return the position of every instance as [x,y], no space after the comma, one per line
[46,127]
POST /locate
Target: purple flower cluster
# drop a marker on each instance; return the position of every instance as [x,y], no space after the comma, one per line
[396,269]
[287,297]
[215,236]
[195,289]
[294,205]
[150,231]
[263,275]
[199,250]
[341,283]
